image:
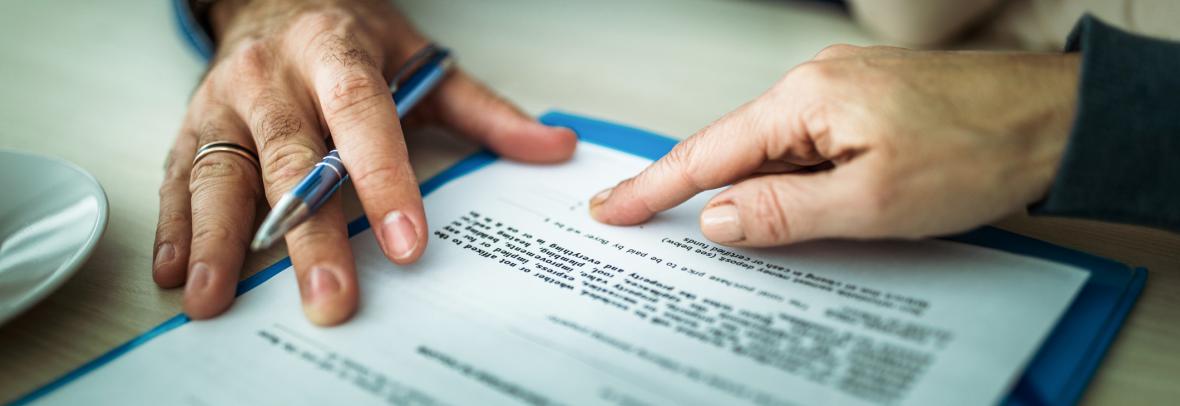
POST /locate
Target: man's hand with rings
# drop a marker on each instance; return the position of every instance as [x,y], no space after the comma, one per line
[286,74]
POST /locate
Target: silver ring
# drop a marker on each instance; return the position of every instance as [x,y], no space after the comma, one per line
[224,146]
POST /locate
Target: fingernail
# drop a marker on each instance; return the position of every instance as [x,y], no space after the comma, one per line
[601,197]
[566,128]
[400,236]
[722,224]
[198,277]
[322,284]
[164,253]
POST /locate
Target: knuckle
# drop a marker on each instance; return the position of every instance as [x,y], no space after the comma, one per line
[632,187]
[801,84]
[333,37]
[252,59]
[275,120]
[213,171]
[354,92]
[321,20]
[212,128]
[170,220]
[816,112]
[837,51]
[629,184]
[682,154]
[885,49]
[175,170]
[216,231]
[287,163]
[172,188]
[681,162]
[344,52]
[813,72]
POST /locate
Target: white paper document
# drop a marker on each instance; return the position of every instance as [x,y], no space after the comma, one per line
[522,298]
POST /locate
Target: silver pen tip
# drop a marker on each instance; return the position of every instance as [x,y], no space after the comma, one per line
[262,241]
[270,231]
[287,213]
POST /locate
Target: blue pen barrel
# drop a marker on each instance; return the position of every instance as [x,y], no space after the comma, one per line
[421,82]
[427,71]
[322,181]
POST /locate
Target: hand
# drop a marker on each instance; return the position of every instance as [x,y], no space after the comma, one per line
[288,73]
[869,143]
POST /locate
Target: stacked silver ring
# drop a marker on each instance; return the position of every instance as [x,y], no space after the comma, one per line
[223,146]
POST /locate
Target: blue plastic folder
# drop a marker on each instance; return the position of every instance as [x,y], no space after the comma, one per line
[1057,374]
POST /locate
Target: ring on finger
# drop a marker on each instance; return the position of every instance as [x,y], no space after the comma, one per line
[225,146]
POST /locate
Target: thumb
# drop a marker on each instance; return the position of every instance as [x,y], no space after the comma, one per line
[781,209]
[475,111]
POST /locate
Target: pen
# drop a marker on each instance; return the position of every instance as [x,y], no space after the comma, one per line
[422,72]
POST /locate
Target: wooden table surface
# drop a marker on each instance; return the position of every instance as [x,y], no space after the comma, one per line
[104,85]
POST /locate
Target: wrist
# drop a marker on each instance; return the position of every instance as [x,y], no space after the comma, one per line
[219,15]
[1057,90]
[232,20]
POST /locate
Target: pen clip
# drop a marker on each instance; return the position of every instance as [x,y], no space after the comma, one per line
[407,69]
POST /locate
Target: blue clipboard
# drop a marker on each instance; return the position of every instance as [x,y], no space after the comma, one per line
[1057,374]
[1060,370]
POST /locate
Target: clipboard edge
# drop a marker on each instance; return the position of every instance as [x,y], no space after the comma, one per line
[652,146]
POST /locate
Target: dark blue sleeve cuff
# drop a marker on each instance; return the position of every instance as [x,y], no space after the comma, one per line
[192,29]
[1122,162]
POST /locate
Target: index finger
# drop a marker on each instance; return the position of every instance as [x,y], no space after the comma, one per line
[731,148]
[360,114]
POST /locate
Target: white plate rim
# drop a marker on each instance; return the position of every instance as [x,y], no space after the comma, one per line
[71,266]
